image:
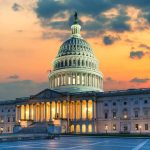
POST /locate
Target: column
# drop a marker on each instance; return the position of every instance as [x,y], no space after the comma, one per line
[55,108]
[86,109]
[50,110]
[75,103]
[93,109]
[24,112]
[17,114]
[30,112]
[61,103]
[81,79]
[34,114]
[81,109]
[45,116]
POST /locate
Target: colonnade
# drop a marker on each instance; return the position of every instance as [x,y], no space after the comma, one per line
[84,79]
[45,111]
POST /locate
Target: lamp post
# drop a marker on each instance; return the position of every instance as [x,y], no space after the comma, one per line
[140,127]
[106,128]
[1,130]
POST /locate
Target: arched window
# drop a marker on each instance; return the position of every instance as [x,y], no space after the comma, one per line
[78,128]
[89,128]
[82,62]
[74,62]
[58,64]
[87,63]
[72,129]
[70,63]
[83,128]
[79,62]
[65,62]
[62,64]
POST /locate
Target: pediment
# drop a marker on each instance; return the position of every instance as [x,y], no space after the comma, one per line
[47,94]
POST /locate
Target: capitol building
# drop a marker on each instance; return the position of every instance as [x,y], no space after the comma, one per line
[75,101]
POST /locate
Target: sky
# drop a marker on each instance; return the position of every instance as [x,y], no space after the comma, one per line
[31,33]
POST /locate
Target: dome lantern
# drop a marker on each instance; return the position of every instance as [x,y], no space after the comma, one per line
[76,27]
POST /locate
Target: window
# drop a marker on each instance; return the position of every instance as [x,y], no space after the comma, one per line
[106,115]
[146,113]
[145,102]
[136,127]
[114,104]
[8,119]
[114,127]
[105,104]
[8,110]
[2,110]
[114,114]
[73,79]
[146,126]
[8,129]
[65,62]
[125,103]
[14,119]
[136,114]
[78,79]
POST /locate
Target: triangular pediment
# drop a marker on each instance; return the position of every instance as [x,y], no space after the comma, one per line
[47,94]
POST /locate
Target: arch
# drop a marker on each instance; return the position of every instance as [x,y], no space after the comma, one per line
[83,128]
[82,62]
[77,128]
[66,63]
[62,63]
[89,128]
[72,128]
[70,63]
[79,62]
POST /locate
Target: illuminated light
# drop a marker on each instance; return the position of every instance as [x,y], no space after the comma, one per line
[140,127]
[106,127]
[125,116]
[53,109]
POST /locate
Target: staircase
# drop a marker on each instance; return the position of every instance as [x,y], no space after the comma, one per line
[35,128]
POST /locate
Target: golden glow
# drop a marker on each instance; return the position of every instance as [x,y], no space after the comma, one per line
[78,110]
[78,128]
[27,112]
[90,109]
[22,112]
[83,128]
[53,109]
[84,109]
[89,128]
[64,109]
[72,128]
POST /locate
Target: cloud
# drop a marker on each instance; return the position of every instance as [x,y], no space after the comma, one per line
[144,46]
[17,7]
[140,80]
[136,54]
[13,77]
[108,40]
[59,15]
[21,88]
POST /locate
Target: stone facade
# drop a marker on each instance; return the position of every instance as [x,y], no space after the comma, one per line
[7,116]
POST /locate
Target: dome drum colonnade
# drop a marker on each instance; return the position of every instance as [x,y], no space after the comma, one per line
[75,68]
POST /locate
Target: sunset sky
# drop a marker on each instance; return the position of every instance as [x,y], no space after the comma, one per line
[31,32]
